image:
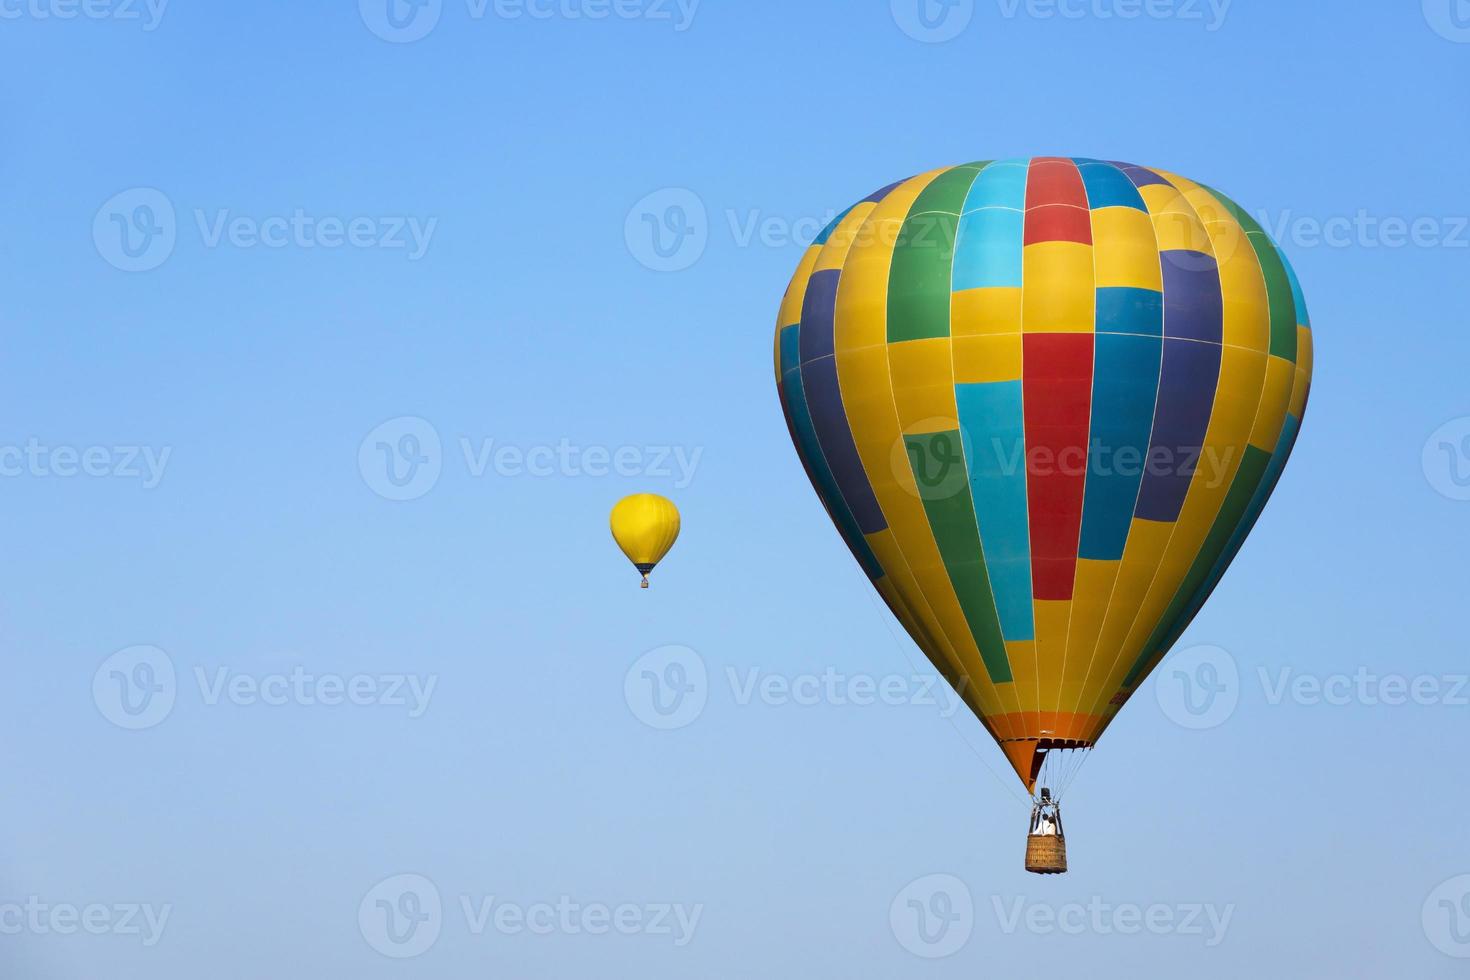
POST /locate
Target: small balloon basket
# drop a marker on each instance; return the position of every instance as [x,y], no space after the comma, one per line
[1046,844]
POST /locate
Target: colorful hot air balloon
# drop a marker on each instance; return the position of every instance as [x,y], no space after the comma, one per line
[645,526]
[1044,400]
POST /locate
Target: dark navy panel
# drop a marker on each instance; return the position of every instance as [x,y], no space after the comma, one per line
[1193,306]
[1191,371]
[819,314]
[824,399]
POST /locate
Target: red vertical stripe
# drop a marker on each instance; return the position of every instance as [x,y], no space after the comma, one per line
[1056,203]
[1057,385]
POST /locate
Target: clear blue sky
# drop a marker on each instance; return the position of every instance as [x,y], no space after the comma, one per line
[189,437]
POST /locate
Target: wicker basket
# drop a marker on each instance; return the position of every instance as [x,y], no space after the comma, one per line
[1046,854]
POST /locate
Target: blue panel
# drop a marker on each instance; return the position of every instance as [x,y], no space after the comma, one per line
[827,231]
[988,249]
[1108,187]
[1296,291]
[1124,385]
[993,424]
[1193,304]
[1000,185]
[1128,309]
[790,353]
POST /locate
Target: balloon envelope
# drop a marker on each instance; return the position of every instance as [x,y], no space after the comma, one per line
[1044,400]
[645,527]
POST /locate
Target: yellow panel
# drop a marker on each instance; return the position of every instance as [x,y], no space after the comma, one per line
[839,243]
[982,359]
[1175,223]
[1178,231]
[1163,198]
[1247,321]
[1052,617]
[791,303]
[796,292]
[923,384]
[1022,655]
[1124,249]
[1146,543]
[1091,594]
[988,310]
[1280,373]
[1303,378]
[1058,296]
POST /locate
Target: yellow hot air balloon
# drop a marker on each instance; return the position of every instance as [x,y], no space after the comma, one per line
[645,526]
[1044,401]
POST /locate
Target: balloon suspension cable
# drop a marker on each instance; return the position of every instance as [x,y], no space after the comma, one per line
[886,615]
[1059,767]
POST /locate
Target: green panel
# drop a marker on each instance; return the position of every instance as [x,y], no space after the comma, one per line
[1278,282]
[923,258]
[1232,512]
[937,460]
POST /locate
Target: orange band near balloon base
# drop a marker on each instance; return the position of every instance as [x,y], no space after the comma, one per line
[1062,731]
